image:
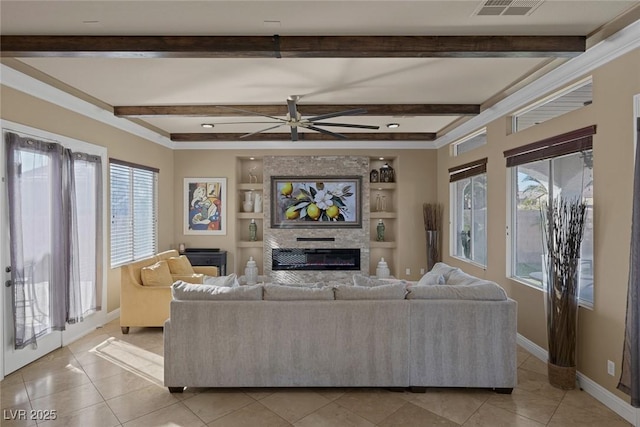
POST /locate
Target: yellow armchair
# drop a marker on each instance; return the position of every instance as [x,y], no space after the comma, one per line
[148,306]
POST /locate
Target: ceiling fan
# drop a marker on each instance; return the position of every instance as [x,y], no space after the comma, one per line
[295,120]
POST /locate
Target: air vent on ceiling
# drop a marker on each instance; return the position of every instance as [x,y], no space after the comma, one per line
[507,7]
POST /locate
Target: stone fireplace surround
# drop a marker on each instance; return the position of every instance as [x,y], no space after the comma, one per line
[329,166]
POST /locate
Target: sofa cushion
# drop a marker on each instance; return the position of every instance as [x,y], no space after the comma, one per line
[442,268]
[481,290]
[387,291]
[227,281]
[157,274]
[300,284]
[189,292]
[294,293]
[459,277]
[180,265]
[362,280]
[431,278]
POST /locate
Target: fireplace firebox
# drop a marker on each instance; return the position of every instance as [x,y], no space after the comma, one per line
[315,259]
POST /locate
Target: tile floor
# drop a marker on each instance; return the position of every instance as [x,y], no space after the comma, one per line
[109,379]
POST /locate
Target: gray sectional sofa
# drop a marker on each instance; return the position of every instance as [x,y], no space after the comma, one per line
[393,334]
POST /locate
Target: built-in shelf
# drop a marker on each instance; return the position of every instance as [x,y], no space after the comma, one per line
[250,215]
[244,186]
[387,245]
[250,244]
[382,186]
[378,215]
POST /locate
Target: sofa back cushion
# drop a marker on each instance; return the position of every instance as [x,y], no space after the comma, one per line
[190,292]
[295,293]
[481,290]
[157,274]
[180,265]
[388,291]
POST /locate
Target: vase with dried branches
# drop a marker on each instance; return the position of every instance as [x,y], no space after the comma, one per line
[432,213]
[563,223]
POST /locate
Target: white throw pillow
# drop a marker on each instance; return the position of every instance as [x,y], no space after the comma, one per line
[431,278]
[442,268]
[366,281]
[227,281]
[459,277]
[189,292]
[296,293]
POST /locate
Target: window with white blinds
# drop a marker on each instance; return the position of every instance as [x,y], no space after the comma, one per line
[134,212]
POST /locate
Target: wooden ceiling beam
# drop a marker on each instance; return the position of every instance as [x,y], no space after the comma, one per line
[303,136]
[304,109]
[291,46]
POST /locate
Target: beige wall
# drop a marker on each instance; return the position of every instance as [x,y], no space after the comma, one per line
[601,330]
[24,109]
[416,178]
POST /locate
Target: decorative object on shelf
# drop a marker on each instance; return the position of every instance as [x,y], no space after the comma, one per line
[373,176]
[383,204]
[181,248]
[257,203]
[387,174]
[253,178]
[247,205]
[382,271]
[563,224]
[205,206]
[380,231]
[378,203]
[251,272]
[432,213]
[312,202]
[253,230]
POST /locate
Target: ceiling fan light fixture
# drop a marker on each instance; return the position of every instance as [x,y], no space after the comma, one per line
[207,125]
[393,125]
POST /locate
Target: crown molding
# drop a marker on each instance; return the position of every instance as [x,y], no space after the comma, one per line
[620,43]
[38,89]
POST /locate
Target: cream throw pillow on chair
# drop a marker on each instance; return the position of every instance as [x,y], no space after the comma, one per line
[180,265]
[157,274]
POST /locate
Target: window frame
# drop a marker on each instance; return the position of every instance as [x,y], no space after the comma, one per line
[132,254]
[549,149]
[468,171]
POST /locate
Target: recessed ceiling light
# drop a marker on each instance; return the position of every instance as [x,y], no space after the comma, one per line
[207,125]
[380,158]
[252,158]
[393,125]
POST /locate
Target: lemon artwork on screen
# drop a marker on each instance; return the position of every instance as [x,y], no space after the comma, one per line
[316,202]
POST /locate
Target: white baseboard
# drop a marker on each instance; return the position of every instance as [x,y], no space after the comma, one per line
[113,315]
[610,400]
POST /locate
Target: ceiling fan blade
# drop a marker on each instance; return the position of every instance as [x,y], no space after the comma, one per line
[239,123]
[294,133]
[346,125]
[339,113]
[252,113]
[293,109]
[326,132]
[260,131]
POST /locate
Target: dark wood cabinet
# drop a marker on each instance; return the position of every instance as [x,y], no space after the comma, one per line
[209,257]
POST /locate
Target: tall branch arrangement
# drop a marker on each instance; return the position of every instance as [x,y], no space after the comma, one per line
[563,230]
[432,214]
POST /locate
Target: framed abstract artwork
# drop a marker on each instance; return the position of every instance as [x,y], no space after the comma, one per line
[205,206]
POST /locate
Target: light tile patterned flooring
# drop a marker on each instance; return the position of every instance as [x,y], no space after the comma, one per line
[109,379]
